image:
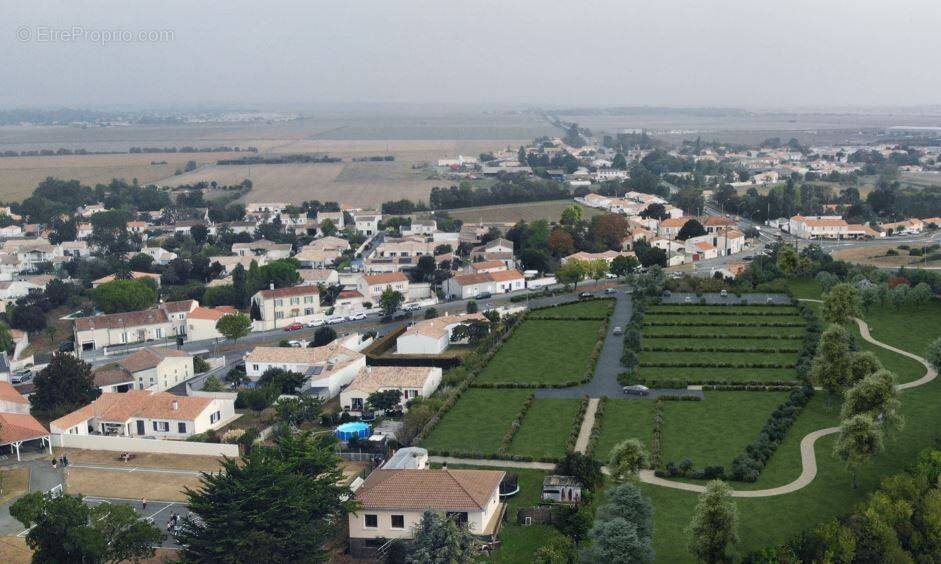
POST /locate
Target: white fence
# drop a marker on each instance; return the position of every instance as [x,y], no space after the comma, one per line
[130,444]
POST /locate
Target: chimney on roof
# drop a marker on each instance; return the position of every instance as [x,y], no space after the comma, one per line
[174,405]
[271,286]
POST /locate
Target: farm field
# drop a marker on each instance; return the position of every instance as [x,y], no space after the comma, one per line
[463,428]
[591,308]
[624,419]
[876,255]
[545,428]
[543,352]
[529,211]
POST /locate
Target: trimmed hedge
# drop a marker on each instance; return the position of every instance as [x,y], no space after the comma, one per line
[577,425]
[516,424]
[733,324]
[717,364]
[656,435]
[719,349]
[721,336]
[726,313]
[627,378]
[596,428]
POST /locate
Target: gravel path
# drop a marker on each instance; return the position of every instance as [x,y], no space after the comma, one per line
[584,434]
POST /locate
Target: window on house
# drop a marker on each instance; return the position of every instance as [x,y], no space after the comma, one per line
[181,427]
[371,521]
[398,521]
[295,301]
[254,367]
[278,302]
[162,426]
[279,315]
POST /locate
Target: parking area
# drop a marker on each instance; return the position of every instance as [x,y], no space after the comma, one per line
[716,298]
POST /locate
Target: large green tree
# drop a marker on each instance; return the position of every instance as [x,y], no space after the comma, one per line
[876,396]
[860,439]
[714,527]
[64,528]
[572,272]
[124,295]
[841,303]
[933,354]
[831,365]
[690,229]
[623,529]
[627,459]
[437,539]
[390,300]
[235,326]
[65,384]
[863,364]
[277,504]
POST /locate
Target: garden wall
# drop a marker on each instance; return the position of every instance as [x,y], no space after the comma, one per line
[129,444]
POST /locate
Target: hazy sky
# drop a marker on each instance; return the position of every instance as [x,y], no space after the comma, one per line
[542,52]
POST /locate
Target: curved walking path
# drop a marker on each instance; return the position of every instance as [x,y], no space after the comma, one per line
[808,456]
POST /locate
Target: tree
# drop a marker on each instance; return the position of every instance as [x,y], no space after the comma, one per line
[123,295]
[597,269]
[561,242]
[572,272]
[471,307]
[826,280]
[234,326]
[860,439]
[655,211]
[571,215]
[212,384]
[920,294]
[627,459]
[438,539]
[286,381]
[585,469]
[384,399]
[6,339]
[390,300]
[426,266]
[298,409]
[933,354]
[619,162]
[863,364]
[617,540]
[609,230]
[141,262]
[831,365]
[627,502]
[276,504]
[714,528]
[624,265]
[690,229]
[328,227]
[876,396]
[323,336]
[788,262]
[27,317]
[200,234]
[64,528]
[255,311]
[841,303]
[431,313]
[64,385]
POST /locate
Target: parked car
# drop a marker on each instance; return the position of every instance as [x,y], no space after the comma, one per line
[316,323]
[294,327]
[385,319]
[67,346]
[334,319]
[724,293]
[689,299]
[411,307]
[748,258]
[667,293]
[586,295]
[358,316]
[770,300]
[296,344]
[611,291]
[21,377]
[483,296]
[618,330]
[636,390]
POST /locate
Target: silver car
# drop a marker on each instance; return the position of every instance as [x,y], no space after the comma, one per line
[636,390]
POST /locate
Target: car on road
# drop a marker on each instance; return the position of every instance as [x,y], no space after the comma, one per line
[358,316]
[334,319]
[688,299]
[385,319]
[611,291]
[316,323]
[294,327]
[748,258]
[585,295]
[483,296]
[667,293]
[411,307]
[724,293]
[636,390]
[21,377]
[618,330]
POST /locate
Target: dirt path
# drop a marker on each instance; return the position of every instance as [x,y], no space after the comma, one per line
[584,434]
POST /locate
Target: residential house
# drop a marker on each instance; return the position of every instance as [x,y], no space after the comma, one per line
[201,322]
[121,329]
[411,381]
[671,226]
[335,217]
[349,302]
[702,250]
[607,256]
[177,313]
[421,227]
[907,227]
[228,264]
[726,242]
[261,210]
[284,306]
[17,426]
[262,247]
[716,223]
[465,286]
[322,253]
[412,247]
[367,223]
[391,503]
[114,380]
[148,414]
[372,286]
[561,489]
[11,231]
[327,369]
[74,249]
[817,227]
[486,266]
[315,276]
[158,368]
[160,255]
[432,336]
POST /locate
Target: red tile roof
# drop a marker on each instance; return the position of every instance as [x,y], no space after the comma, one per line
[289,292]
[445,490]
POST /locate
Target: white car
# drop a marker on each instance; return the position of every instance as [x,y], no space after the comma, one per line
[411,307]
[358,316]
[296,344]
[316,323]
[334,319]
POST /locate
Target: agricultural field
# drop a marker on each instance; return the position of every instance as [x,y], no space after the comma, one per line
[892,255]
[702,344]
[543,353]
[511,213]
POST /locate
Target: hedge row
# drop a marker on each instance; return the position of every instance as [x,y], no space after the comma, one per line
[492,456]
[814,328]
[576,425]
[626,378]
[721,336]
[515,425]
[685,469]
[656,435]
[724,313]
[596,428]
[750,387]
[579,318]
[748,466]
[721,349]
[581,301]
[731,324]
[717,364]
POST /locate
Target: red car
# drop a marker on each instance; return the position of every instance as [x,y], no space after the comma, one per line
[294,327]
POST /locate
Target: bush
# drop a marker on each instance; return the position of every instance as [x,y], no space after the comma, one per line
[200,365]
[257,398]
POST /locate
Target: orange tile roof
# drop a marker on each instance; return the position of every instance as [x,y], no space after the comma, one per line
[119,408]
[121,320]
[445,490]
[714,220]
[20,427]
[674,222]
[385,278]
[483,265]
[505,275]
[212,313]
[150,357]
[9,393]
[178,307]
[289,292]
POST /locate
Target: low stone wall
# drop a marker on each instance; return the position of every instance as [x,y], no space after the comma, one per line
[130,444]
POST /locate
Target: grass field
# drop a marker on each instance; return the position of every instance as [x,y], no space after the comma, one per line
[130,485]
[693,375]
[511,213]
[545,428]
[728,343]
[728,331]
[15,483]
[624,419]
[710,309]
[477,422]
[772,321]
[678,357]
[543,352]
[591,308]
[714,431]
[876,255]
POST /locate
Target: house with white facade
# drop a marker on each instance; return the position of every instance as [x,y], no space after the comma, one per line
[372,286]
[411,381]
[607,256]
[158,368]
[817,227]
[126,328]
[284,306]
[464,286]
[367,223]
[327,369]
[432,336]
[148,414]
[201,322]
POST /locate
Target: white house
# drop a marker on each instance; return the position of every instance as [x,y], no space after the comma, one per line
[158,368]
[817,227]
[201,322]
[469,285]
[412,381]
[120,329]
[372,286]
[145,413]
[391,503]
[607,256]
[367,224]
[432,336]
[284,306]
[421,227]
[328,368]
[177,312]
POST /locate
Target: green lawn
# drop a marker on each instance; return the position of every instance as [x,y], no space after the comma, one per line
[723,331]
[696,375]
[624,419]
[784,345]
[717,357]
[764,320]
[477,422]
[911,328]
[714,431]
[588,308]
[805,289]
[547,425]
[544,352]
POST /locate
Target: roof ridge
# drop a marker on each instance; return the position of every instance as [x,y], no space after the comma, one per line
[463,489]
